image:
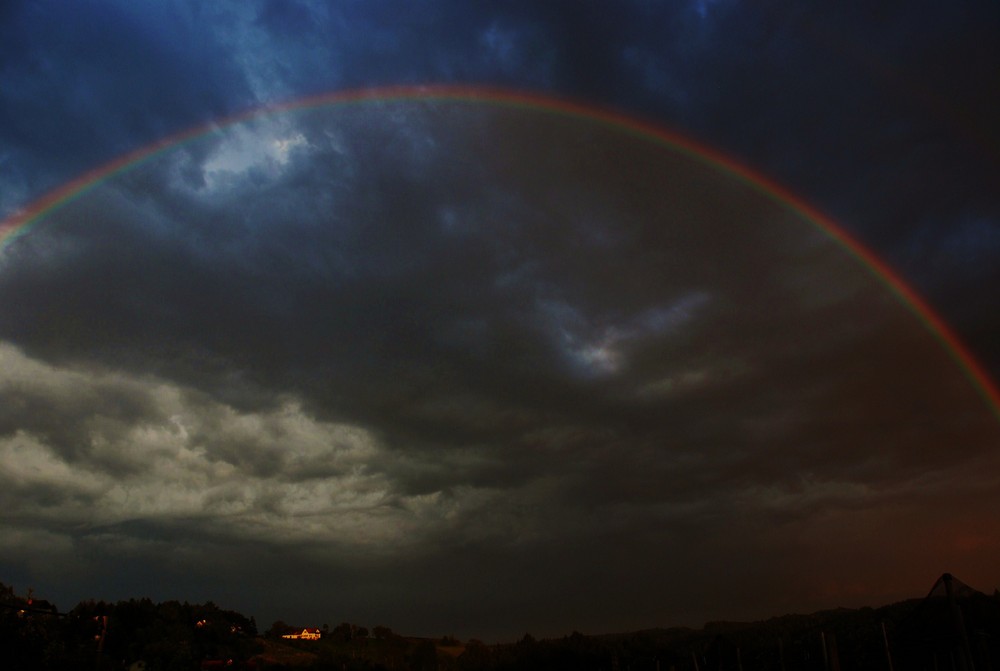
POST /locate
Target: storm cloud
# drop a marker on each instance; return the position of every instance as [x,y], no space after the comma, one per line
[473,363]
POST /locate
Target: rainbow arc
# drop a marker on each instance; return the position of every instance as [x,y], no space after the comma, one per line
[22,222]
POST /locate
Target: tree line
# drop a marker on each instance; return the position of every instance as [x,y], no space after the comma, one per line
[954,630]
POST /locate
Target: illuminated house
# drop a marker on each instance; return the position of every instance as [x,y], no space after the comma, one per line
[309,634]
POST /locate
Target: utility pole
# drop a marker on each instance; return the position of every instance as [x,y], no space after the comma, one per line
[103,620]
[958,623]
[834,653]
[888,654]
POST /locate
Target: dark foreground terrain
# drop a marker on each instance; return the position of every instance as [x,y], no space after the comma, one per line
[953,628]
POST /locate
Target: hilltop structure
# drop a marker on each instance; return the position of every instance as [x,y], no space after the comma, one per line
[954,627]
[307,634]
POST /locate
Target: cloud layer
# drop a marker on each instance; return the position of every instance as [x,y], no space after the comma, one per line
[473,363]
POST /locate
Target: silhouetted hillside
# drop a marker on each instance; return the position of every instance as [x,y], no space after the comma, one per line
[954,628]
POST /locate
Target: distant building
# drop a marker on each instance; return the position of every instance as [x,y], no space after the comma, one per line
[309,634]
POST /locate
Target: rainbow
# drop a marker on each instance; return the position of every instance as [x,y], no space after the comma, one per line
[22,222]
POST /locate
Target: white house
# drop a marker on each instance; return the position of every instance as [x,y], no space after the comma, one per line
[309,634]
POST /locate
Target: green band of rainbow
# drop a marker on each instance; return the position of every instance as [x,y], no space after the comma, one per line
[23,221]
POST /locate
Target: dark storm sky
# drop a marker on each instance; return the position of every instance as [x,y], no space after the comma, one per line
[481,369]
